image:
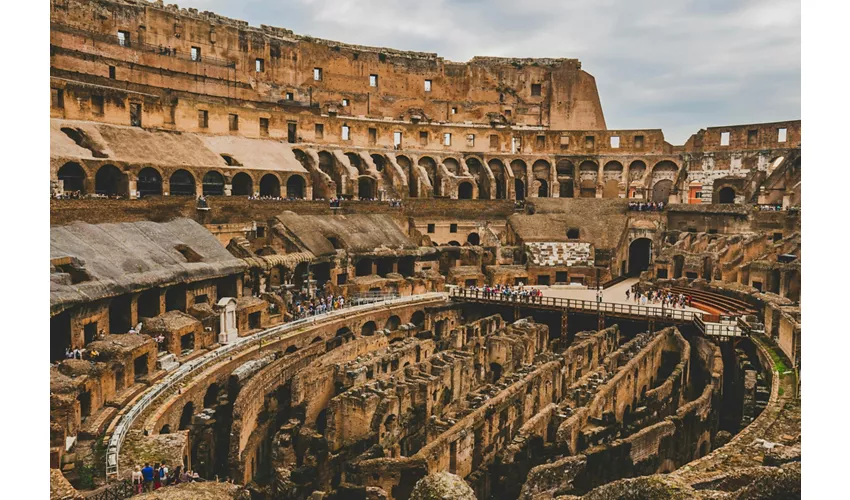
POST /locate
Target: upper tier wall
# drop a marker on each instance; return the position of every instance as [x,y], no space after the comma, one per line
[223,55]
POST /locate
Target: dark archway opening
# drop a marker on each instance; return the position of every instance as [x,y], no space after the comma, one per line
[726,196]
[149,182]
[186,416]
[182,183]
[519,188]
[543,190]
[295,187]
[366,188]
[242,185]
[565,189]
[270,186]
[107,181]
[73,178]
[60,335]
[473,239]
[495,372]
[640,253]
[213,184]
[464,191]
[211,396]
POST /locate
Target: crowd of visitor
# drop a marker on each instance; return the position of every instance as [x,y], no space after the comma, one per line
[640,206]
[664,297]
[150,478]
[519,292]
[302,305]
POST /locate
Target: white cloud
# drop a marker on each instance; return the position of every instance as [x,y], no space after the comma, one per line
[679,65]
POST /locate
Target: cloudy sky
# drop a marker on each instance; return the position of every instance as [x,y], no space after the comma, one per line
[678,65]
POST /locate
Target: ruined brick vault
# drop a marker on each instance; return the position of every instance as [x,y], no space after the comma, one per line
[272,259]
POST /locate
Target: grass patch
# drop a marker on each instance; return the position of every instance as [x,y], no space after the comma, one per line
[777,360]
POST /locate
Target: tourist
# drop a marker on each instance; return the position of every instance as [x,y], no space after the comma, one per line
[137,480]
[147,477]
[185,477]
[163,474]
[175,478]
[627,294]
[157,482]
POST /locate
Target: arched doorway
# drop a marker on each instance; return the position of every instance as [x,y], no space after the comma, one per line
[588,188]
[661,191]
[149,182]
[473,239]
[519,188]
[295,187]
[366,188]
[464,191]
[565,190]
[242,185]
[543,190]
[213,184]
[726,195]
[107,181]
[73,177]
[611,189]
[270,186]
[678,266]
[181,183]
[640,254]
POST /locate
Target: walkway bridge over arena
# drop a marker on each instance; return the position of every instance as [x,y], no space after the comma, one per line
[716,326]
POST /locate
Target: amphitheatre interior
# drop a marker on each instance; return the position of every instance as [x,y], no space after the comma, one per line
[305,269]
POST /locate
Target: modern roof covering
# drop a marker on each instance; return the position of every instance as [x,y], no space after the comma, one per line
[74,139]
[364,234]
[97,261]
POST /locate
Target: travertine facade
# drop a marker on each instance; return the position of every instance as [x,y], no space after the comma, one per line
[259,243]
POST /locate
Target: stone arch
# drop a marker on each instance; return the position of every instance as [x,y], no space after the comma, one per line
[430,167]
[464,191]
[452,165]
[73,177]
[612,175]
[295,187]
[368,328]
[392,324]
[499,172]
[473,239]
[149,182]
[726,195]
[412,182]
[519,189]
[357,162]
[242,185]
[213,183]
[181,183]
[478,172]
[366,188]
[211,396]
[379,161]
[270,186]
[107,180]
[637,170]
[640,256]
[418,319]
[519,169]
[186,416]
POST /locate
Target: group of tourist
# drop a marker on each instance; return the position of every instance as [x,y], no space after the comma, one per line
[150,478]
[168,51]
[69,195]
[202,202]
[302,305]
[664,297]
[640,206]
[275,198]
[519,292]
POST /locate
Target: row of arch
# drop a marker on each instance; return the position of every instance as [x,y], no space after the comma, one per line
[109,179]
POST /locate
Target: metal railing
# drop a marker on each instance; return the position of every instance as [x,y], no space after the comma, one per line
[113,448]
[612,308]
[145,47]
[726,327]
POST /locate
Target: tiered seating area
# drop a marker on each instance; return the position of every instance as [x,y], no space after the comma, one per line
[715,303]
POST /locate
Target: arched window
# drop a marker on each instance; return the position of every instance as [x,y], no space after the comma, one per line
[213,184]
[73,177]
[107,181]
[726,195]
[149,182]
[366,188]
[242,185]
[464,191]
[270,186]
[182,183]
[295,187]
